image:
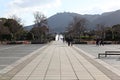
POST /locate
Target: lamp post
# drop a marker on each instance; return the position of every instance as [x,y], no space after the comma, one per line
[0,34]
[0,20]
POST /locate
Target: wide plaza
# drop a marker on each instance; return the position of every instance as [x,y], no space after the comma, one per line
[58,61]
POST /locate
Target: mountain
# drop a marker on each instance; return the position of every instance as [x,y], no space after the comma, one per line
[109,18]
[28,27]
[60,21]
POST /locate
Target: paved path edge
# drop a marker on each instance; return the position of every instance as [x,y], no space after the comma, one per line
[10,71]
[106,68]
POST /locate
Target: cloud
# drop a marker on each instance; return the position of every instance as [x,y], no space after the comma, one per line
[27,3]
[109,5]
[23,6]
[100,6]
[33,3]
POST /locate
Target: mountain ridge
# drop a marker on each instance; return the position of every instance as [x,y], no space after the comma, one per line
[60,21]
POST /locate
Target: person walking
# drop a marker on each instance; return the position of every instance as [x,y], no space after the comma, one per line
[70,41]
[101,42]
[97,42]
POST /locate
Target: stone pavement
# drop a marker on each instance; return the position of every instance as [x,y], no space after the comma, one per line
[61,62]
[93,50]
[9,54]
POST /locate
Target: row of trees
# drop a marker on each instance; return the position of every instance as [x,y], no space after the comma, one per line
[78,30]
[12,29]
[108,33]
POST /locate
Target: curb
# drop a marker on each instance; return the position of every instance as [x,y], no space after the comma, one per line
[10,71]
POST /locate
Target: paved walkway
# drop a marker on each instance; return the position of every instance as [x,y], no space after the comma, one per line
[93,50]
[61,62]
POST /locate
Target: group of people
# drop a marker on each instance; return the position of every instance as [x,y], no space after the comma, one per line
[99,42]
[69,40]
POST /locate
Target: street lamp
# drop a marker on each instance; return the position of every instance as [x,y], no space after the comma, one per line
[0,21]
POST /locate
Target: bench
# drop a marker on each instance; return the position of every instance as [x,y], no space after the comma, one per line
[109,53]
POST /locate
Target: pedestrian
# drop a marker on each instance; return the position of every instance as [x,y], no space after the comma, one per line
[70,41]
[63,39]
[67,40]
[97,42]
[102,42]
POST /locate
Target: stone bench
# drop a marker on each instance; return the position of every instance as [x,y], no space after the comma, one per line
[109,53]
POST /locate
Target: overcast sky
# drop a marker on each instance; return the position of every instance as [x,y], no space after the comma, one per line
[24,9]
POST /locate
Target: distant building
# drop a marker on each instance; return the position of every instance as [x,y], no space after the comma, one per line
[59,37]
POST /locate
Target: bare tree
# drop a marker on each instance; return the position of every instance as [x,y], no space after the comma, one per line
[77,26]
[39,19]
[17,19]
[40,29]
[116,32]
[100,31]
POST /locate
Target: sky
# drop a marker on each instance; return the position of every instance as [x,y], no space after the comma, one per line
[25,9]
